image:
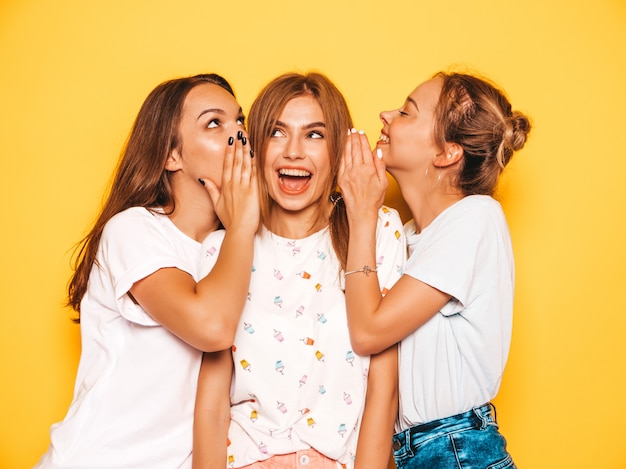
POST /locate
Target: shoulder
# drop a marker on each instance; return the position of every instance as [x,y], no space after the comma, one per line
[477,204]
[474,212]
[390,235]
[389,223]
[133,217]
[133,223]
[389,216]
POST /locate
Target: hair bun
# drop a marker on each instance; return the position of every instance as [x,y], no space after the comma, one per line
[517,133]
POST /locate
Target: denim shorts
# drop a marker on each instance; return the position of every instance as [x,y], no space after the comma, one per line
[463,441]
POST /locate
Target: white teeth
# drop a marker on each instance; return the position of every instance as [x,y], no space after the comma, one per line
[383,138]
[294,172]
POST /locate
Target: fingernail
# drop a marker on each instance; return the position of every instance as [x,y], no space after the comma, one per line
[244,140]
[201,181]
[231,140]
[361,132]
[353,130]
[251,153]
[379,153]
[239,135]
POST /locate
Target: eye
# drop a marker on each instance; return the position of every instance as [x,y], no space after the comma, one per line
[403,113]
[241,120]
[213,123]
[277,133]
[315,134]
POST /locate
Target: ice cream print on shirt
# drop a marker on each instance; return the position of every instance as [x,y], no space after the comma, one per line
[298,383]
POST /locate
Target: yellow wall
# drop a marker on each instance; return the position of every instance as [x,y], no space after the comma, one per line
[73,74]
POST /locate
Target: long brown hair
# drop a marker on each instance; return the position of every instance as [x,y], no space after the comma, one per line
[475,114]
[264,113]
[140,179]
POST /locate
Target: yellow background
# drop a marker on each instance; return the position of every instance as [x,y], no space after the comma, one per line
[74,73]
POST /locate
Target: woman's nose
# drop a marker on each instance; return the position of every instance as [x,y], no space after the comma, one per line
[293,148]
[385,117]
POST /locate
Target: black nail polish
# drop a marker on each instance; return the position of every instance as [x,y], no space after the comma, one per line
[239,135]
[201,181]
[231,140]
[251,153]
[244,140]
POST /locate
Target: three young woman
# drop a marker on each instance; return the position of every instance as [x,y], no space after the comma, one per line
[299,382]
[451,311]
[146,308]
[298,388]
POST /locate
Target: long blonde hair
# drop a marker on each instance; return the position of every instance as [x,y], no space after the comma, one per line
[264,114]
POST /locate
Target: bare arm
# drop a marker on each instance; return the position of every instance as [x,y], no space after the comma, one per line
[375,322]
[212,411]
[381,407]
[205,314]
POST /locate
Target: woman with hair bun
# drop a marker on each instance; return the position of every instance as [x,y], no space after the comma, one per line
[452,309]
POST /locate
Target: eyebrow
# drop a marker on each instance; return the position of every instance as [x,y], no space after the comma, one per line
[217,110]
[412,101]
[312,125]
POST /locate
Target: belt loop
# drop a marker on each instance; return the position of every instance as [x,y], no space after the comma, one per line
[495,415]
[483,419]
[402,440]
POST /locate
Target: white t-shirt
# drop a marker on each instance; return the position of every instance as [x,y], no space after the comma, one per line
[136,382]
[297,382]
[455,361]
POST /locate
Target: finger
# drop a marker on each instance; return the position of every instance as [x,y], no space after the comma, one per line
[379,164]
[238,158]
[246,160]
[347,153]
[366,152]
[357,154]
[213,191]
[227,170]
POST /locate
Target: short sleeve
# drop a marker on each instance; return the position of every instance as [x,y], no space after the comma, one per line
[445,255]
[134,245]
[390,248]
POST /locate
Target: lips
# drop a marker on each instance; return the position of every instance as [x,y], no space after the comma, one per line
[293,180]
[384,138]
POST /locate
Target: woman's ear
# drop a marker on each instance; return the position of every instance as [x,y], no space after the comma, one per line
[452,154]
[174,160]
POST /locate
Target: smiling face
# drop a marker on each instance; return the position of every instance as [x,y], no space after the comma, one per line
[209,117]
[407,137]
[297,166]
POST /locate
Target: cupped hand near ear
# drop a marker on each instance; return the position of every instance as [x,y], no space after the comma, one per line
[237,202]
[362,177]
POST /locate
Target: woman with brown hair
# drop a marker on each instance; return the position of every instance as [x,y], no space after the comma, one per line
[451,311]
[147,307]
[298,389]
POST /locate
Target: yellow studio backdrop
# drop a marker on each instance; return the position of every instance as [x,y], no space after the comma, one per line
[74,74]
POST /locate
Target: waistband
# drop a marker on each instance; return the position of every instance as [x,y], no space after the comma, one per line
[479,417]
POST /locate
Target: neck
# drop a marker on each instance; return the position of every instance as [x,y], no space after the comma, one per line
[298,224]
[193,213]
[426,200]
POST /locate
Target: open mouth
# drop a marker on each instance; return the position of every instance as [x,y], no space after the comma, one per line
[383,138]
[293,180]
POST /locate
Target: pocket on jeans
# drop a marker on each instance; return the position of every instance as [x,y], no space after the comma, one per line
[506,463]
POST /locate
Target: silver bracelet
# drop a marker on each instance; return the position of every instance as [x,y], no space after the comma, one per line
[366,269]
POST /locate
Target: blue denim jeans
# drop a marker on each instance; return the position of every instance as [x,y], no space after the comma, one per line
[470,440]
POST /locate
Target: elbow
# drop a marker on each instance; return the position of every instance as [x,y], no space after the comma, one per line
[216,337]
[364,345]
